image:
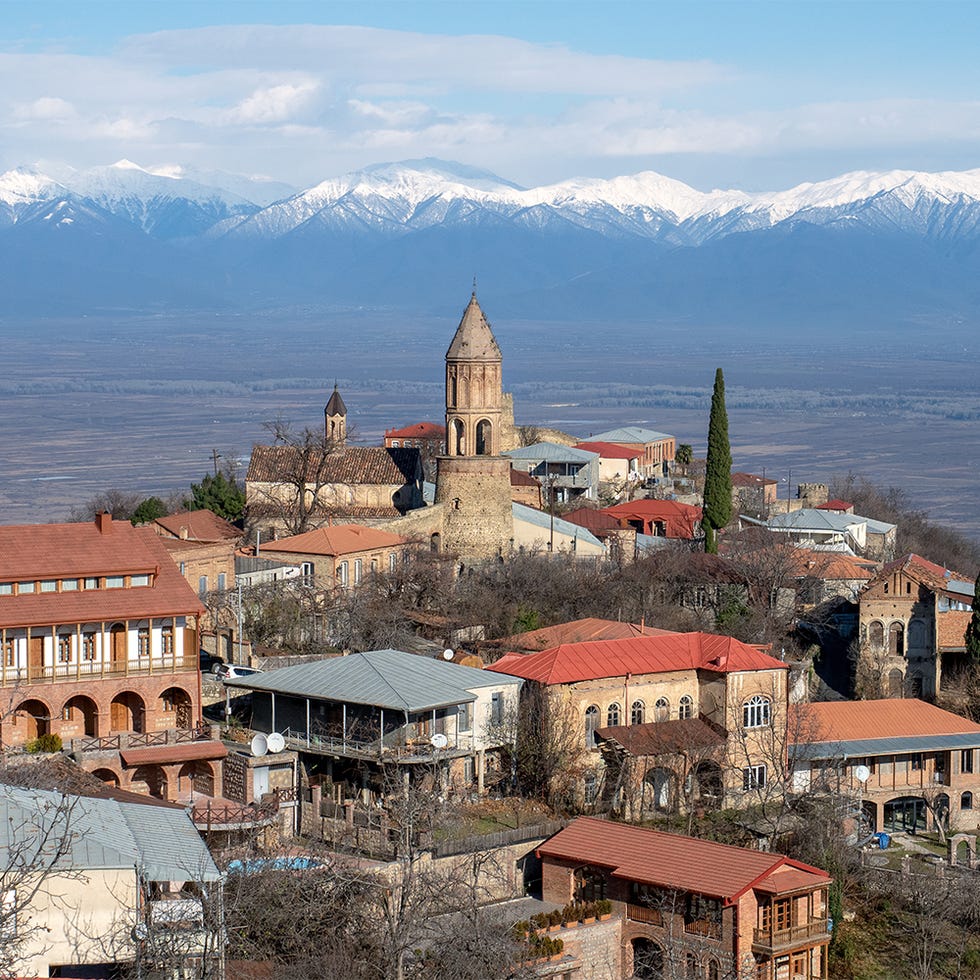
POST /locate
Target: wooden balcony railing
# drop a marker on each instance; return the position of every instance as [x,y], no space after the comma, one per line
[38,673]
[772,940]
[641,913]
[140,740]
[701,927]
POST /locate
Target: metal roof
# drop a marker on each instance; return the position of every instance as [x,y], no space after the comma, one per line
[383,678]
[161,842]
[539,518]
[810,518]
[631,434]
[552,452]
[900,745]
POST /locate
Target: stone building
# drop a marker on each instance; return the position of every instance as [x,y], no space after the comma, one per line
[692,908]
[913,616]
[473,481]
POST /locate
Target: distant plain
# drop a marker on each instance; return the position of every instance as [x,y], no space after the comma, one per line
[140,402]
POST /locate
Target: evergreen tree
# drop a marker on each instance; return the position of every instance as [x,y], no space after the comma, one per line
[149,510]
[219,494]
[718,469]
[973,630]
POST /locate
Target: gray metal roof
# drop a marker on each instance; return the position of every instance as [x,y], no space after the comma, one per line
[542,519]
[901,745]
[161,842]
[960,588]
[382,678]
[631,434]
[812,519]
[551,452]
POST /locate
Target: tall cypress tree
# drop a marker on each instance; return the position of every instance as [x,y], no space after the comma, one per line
[718,469]
[972,637]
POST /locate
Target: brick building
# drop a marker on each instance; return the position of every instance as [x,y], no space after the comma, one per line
[656,449]
[693,908]
[658,518]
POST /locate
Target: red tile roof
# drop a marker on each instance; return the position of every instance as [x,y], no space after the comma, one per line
[609,450]
[672,861]
[161,755]
[841,505]
[349,464]
[851,721]
[576,631]
[30,552]
[198,525]
[421,430]
[922,570]
[339,539]
[593,520]
[660,737]
[591,660]
[751,480]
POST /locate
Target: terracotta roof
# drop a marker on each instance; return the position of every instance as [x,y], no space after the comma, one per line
[199,525]
[473,340]
[335,405]
[951,629]
[161,755]
[592,660]
[349,464]
[576,631]
[339,539]
[920,569]
[596,521]
[59,551]
[518,478]
[672,861]
[841,505]
[421,430]
[831,566]
[609,450]
[850,721]
[751,480]
[662,737]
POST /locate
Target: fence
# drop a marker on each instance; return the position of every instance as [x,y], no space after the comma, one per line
[502,838]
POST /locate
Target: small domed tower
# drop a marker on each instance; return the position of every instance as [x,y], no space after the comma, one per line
[474,479]
[335,420]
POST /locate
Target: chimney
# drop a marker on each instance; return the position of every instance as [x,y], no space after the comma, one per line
[183,532]
[103,521]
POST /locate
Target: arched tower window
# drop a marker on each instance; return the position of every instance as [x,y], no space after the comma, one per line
[458,442]
[484,438]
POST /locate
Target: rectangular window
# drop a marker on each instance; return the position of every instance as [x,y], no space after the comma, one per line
[464,718]
[915,761]
[342,574]
[69,585]
[64,648]
[139,580]
[392,562]
[374,566]
[753,777]
[143,641]
[6,588]
[49,585]
[496,708]
[115,581]
[88,646]
[221,581]
[357,571]
[183,567]
[91,583]
[8,915]
[308,569]
[25,588]
[966,760]
[167,640]
[8,652]
[202,585]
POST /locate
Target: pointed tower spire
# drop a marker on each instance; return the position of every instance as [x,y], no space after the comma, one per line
[335,419]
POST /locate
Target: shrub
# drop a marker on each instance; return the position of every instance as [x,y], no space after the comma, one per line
[44,743]
[603,906]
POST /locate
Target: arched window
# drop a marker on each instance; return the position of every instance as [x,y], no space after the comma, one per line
[686,707]
[966,801]
[661,710]
[591,724]
[637,713]
[714,972]
[456,436]
[612,714]
[876,634]
[896,640]
[484,438]
[756,712]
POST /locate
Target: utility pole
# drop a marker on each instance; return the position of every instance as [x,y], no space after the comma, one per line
[215,456]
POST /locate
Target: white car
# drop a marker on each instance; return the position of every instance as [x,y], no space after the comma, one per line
[224,671]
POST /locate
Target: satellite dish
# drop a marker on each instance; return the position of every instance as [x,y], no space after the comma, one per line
[447,654]
[275,742]
[140,932]
[259,745]
[439,741]
[862,774]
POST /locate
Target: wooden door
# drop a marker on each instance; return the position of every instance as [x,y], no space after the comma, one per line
[120,718]
[35,656]
[120,653]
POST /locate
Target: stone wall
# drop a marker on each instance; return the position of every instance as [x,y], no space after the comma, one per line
[475,492]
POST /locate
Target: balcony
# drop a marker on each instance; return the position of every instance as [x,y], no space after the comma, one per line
[642,913]
[87,669]
[395,746]
[702,927]
[142,740]
[772,941]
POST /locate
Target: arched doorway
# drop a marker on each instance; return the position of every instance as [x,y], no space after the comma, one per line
[118,645]
[197,776]
[896,683]
[127,713]
[648,959]
[36,718]
[707,787]
[107,776]
[82,715]
[177,702]
[149,780]
[907,814]
[660,785]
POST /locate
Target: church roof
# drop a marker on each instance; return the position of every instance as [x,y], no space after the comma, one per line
[336,404]
[474,340]
[352,465]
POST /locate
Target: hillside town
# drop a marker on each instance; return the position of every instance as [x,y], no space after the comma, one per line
[490,700]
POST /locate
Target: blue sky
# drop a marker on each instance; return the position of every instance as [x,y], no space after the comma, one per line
[726,94]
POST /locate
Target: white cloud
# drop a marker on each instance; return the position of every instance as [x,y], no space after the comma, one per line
[47,107]
[274,104]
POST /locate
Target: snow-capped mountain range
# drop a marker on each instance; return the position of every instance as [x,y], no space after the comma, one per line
[375,236]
